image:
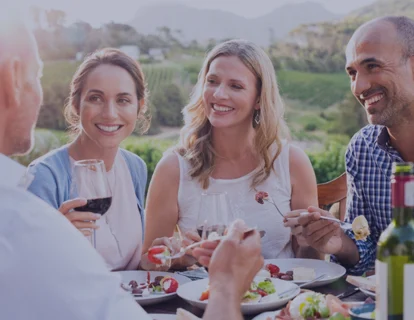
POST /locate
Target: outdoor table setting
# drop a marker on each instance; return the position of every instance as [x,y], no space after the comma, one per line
[287,275]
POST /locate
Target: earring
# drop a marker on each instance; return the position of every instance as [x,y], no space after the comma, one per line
[257,117]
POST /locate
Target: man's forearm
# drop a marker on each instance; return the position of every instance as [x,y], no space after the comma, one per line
[223,305]
[308,253]
[348,255]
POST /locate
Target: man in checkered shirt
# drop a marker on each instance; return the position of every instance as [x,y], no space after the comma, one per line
[380,65]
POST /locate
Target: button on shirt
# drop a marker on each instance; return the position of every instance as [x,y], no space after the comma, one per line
[48,270]
[369,160]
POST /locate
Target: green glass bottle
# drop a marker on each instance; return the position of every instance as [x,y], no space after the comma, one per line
[394,266]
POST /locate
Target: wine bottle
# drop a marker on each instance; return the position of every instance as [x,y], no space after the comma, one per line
[394,266]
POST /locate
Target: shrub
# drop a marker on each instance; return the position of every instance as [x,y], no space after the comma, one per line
[330,163]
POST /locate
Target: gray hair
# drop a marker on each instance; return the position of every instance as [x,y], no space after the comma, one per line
[405,30]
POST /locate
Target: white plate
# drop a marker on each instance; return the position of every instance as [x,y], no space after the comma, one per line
[333,271]
[191,292]
[267,315]
[368,292]
[141,276]
[162,316]
[272,314]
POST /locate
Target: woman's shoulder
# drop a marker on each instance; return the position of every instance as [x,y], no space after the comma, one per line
[54,160]
[134,159]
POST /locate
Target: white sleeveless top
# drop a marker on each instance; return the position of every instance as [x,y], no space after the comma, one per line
[277,241]
[119,237]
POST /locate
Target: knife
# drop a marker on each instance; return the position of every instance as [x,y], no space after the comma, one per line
[348,293]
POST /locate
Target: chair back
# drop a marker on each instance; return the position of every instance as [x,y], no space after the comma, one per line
[333,193]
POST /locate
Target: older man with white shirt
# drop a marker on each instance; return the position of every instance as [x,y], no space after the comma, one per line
[48,270]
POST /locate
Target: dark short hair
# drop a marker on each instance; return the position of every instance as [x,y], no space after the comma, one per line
[107,56]
[405,30]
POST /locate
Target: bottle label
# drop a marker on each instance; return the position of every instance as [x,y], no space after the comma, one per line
[381,289]
[409,194]
[408,291]
[394,289]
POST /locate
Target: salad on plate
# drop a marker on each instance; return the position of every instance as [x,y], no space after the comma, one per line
[261,291]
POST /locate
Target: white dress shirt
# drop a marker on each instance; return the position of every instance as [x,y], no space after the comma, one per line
[48,270]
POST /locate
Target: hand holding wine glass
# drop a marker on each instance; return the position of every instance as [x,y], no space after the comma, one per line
[84,221]
[90,181]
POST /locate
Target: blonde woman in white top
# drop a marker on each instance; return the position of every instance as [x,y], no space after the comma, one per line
[235,140]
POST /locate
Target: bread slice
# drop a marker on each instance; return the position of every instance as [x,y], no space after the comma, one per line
[362,282]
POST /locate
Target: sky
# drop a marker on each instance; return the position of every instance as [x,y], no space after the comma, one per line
[97,12]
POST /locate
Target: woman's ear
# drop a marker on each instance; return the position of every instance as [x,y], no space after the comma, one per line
[257,106]
[141,105]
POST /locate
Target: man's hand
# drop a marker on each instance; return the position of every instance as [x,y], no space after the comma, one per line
[236,260]
[323,235]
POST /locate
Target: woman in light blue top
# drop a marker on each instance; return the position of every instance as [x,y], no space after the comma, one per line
[107,98]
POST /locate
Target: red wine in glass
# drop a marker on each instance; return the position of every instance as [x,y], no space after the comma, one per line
[90,181]
[99,205]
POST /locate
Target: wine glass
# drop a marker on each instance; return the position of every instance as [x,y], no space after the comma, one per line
[215,214]
[90,181]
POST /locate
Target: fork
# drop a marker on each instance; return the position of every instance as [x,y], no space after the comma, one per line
[182,251]
[346,225]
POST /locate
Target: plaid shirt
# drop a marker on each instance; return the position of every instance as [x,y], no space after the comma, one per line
[368,160]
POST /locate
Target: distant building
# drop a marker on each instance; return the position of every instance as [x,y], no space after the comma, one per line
[131,50]
[156,54]
[79,56]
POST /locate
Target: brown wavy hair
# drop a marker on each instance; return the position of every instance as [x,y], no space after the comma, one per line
[195,138]
[113,57]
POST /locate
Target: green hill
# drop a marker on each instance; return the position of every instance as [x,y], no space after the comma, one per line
[319,47]
[383,8]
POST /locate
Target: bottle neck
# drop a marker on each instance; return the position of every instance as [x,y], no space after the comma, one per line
[402,216]
[402,211]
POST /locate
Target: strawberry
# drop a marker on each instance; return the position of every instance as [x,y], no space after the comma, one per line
[169,284]
[273,269]
[157,250]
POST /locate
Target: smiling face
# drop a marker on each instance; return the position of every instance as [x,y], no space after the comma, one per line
[230,93]
[108,106]
[381,79]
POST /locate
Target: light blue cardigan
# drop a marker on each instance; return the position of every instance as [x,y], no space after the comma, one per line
[53,177]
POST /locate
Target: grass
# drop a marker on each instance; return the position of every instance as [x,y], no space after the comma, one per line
[315,89]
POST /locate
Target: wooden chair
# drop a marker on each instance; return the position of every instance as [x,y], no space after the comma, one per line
[334,193]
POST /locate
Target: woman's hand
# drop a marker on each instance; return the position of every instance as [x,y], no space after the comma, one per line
[173,246]
[83,221]
[291,221]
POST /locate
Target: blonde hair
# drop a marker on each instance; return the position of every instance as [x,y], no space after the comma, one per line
[195,138]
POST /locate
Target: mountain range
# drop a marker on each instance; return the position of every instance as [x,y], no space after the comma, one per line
[204,24]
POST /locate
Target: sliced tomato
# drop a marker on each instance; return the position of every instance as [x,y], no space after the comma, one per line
[205,295]
[157,250]
[169,284]
[273,269]
[262,292]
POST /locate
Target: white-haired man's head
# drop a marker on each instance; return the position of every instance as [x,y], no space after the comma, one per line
[20,90]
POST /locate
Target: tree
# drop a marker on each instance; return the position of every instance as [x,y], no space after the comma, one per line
[36,13]
[350,118]
[168,102]
[55,19]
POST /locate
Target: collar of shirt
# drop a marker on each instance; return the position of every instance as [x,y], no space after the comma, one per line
[383,142]
[13,173]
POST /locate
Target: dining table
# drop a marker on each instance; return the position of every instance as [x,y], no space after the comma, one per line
[336,288]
